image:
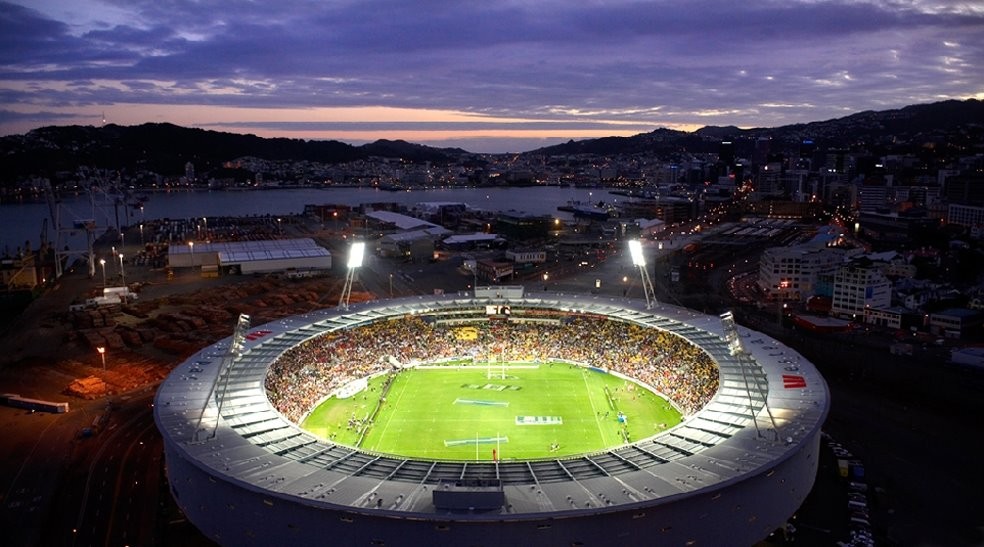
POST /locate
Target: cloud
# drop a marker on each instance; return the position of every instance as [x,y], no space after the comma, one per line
[41,118]
[521,125]
[657,62]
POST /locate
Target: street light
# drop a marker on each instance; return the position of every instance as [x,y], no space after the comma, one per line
[122,273]
[191,245]
[391,285]
[546,276]
[474,271]
[102,262]
[780,300]
[141,235]
[102,355]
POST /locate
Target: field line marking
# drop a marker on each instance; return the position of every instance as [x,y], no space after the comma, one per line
[389,420]
[479,402]
[594,411]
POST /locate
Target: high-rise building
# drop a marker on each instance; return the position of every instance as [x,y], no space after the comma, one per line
[761,154]
[858,287]
[965,189]
[726,153]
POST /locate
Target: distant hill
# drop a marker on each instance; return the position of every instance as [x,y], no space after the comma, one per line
[958,122]
[165,148]
[410,151]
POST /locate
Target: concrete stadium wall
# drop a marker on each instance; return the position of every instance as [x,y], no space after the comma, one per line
[741,512]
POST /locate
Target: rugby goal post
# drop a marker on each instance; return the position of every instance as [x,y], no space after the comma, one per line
[495,365]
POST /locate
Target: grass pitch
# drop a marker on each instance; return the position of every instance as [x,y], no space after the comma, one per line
[536,411]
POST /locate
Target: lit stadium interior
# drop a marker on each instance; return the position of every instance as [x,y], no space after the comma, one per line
[735,469]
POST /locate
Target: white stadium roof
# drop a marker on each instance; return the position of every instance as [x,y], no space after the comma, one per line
[756,442]
[402,222]
[241,252]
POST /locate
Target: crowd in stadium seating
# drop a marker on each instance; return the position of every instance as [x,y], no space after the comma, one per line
[673,366]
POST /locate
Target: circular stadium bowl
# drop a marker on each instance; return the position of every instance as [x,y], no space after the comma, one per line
[731,473]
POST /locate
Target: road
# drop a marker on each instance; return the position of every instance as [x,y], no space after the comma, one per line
[41,444]
[910,419]
[118,504]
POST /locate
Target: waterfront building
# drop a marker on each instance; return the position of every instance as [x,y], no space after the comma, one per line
[517,225]
[19,272]
[412,245]
[252,257]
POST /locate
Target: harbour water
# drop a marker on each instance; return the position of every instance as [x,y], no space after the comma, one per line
[23,222]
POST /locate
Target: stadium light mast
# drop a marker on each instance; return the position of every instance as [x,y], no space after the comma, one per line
[216,394]
[635,250]
[754,388]
[356,253]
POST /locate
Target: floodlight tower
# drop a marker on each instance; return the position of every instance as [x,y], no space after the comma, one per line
[756,387]
[635,249]
[205,431]
[356,253]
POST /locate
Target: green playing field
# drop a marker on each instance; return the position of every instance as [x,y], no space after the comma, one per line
[452,413]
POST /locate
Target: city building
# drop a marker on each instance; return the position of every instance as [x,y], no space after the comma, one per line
[895,230]
[857,287]
[411,245]
[968,216]
[893,317]
[957,323]
[517,225]
[494,271]
[793,273]
[527,256]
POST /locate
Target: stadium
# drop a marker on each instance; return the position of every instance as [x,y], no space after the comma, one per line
[738,465]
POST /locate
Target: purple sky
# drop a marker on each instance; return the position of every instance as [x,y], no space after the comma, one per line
[488,76]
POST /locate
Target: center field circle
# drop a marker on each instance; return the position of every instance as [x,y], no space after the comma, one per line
[512,411]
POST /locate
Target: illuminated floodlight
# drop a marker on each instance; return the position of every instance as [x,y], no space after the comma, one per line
[635,250]
[356,253]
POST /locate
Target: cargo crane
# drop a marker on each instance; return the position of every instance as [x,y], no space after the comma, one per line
[67,223]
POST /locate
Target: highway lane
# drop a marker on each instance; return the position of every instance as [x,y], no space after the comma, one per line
[135,498]
[42,445]
[118,502]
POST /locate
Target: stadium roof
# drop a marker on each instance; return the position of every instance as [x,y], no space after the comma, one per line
[402,222]
[417,234]
[470,238]
[646,223]
[238,252]
[734,434]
